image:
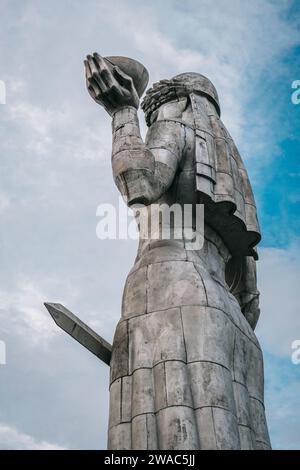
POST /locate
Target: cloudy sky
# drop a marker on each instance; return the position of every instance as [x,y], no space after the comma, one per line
[55,171]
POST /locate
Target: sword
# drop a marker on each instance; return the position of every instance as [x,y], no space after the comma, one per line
[76,328]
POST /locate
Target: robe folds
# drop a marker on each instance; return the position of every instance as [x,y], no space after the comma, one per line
[186,367]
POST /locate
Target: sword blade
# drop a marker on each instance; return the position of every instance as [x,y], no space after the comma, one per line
[76,328]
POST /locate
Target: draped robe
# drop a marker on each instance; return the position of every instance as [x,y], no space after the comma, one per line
[186,368]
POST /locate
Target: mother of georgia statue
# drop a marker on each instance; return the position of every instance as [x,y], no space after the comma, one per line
[186,367]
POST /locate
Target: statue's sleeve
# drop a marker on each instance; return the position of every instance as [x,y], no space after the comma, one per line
[242,280]
[144,171]
[249,297]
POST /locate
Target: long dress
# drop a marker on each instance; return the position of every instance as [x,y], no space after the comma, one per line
[186,368]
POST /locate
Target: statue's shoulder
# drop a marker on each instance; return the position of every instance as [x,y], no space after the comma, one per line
[175,111]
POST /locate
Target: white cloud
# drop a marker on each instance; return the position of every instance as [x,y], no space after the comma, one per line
[38,124]
[38,119]
[16,86]
[227,41]
[4,202]
[282,400]
[49,115]
[12,439]
[22,312]
[278,280]
[170,39]
[53,131]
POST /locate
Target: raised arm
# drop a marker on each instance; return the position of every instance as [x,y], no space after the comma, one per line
[142,171]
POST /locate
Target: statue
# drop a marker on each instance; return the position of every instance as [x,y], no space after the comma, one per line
[186,367]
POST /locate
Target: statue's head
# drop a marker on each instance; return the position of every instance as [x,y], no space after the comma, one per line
[180,86]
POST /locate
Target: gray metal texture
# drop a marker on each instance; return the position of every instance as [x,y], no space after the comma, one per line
[186,367]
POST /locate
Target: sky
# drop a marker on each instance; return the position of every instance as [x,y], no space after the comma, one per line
[55,170]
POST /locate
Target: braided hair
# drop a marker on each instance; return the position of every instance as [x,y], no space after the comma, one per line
[178,87]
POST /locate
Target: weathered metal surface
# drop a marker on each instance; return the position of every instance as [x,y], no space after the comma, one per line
[72,325]
[186,367]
